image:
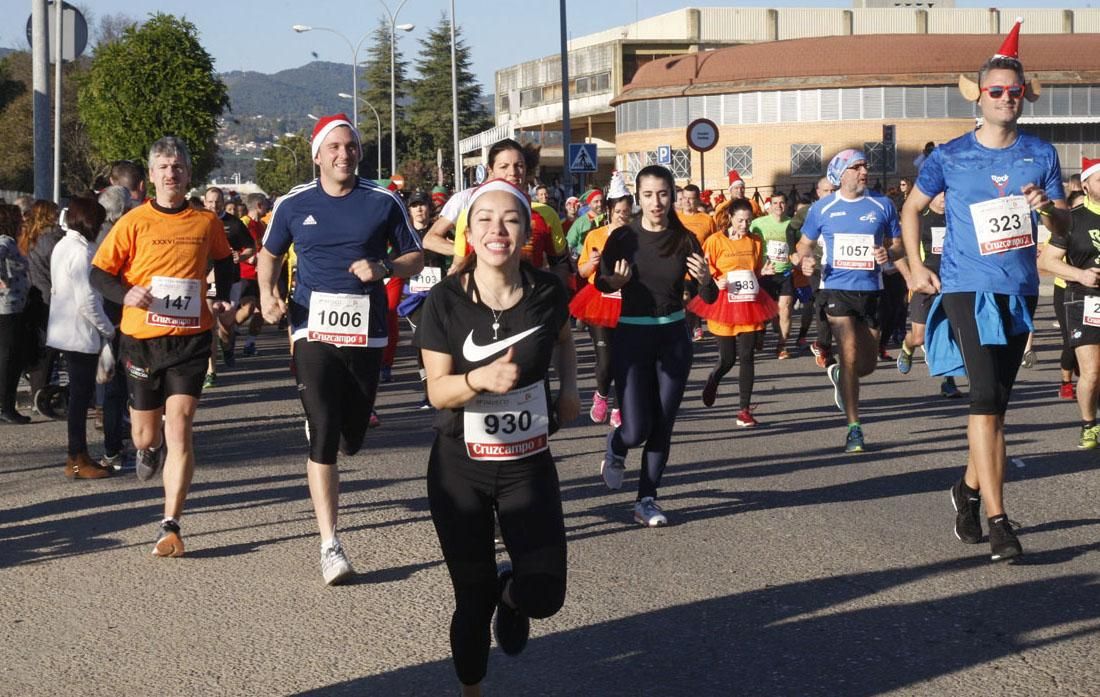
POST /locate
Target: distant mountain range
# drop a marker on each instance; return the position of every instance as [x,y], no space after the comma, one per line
[286,96]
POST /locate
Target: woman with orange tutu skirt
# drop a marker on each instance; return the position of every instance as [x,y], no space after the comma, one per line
[737,262]
[600,311]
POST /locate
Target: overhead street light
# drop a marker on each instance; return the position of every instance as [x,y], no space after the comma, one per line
[393,96]
[378,170]
[302,28]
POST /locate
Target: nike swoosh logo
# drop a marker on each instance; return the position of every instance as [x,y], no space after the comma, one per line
[474,353]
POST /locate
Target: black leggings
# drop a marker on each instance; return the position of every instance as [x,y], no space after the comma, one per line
[13,343]
[650,365]
[81,368]
[337,387]
[892,307]
[526,496]
[1068,360]
[601,342]
[991,369]
[728,349]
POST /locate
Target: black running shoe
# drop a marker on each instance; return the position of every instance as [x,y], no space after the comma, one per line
[1003,543]
[968,522]
[510,626]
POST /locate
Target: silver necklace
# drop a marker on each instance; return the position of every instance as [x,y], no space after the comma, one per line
[496,314]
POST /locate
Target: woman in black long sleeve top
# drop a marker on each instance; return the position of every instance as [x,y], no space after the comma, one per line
[649,261]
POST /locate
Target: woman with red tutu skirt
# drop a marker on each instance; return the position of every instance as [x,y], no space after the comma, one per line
[600,311]
[742,310]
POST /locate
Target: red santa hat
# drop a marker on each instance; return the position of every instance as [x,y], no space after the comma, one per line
[1089,167]
[735,177]
[1010,48]
[324,126]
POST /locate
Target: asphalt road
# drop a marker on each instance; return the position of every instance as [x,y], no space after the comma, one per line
[789,567]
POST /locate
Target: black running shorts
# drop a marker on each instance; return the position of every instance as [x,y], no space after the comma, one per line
[163,366]
[919,305]
[778,285]
[860,304]
[337,386]
[1079,333]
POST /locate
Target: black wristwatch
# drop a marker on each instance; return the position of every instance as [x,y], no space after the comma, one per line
[387,265]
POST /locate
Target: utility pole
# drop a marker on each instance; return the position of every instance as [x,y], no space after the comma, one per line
[41,103]
[566,129]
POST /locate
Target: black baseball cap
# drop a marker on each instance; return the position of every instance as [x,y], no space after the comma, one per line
[420,198]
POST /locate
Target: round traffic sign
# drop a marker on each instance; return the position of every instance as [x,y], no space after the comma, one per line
[74,28]
[702,135]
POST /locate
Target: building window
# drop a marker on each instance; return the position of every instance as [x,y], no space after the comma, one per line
[805,160]
[681,163]
[739,157]
[530,98]
[876,152]
[592,84]
[634,163]
[503,104]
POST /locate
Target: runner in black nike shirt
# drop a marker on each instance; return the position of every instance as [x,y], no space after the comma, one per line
[487,336]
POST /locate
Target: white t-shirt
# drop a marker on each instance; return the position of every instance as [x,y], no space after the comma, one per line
[456,204]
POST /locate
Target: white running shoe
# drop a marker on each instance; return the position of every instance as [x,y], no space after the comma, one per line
[649,514]
[335,566]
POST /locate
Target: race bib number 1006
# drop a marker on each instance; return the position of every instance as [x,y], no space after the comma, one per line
[339,318]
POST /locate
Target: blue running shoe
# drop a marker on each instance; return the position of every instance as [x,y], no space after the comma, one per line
[854,443]
[905,361]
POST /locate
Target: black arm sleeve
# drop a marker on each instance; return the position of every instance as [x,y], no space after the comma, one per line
[709,292]
[110,287]
[225,275]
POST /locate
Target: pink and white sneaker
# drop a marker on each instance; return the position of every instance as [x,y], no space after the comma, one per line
[616,418]
[598,412]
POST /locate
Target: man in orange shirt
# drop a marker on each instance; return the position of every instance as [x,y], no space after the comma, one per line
[694,217]
[153,263]
[702,226]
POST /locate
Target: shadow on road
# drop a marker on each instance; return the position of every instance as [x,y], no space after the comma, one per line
[780,641]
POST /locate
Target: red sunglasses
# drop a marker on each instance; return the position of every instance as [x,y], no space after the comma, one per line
[997,91]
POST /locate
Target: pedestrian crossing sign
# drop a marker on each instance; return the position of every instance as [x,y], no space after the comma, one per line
[582,157]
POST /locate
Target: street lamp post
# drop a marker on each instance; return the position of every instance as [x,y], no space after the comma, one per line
[345,95]
[393,95]
[292,154]
[302,28]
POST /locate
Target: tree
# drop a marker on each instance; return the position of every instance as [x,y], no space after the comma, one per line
[430,125]
[155,80]
[112,27]
[278,170]
[376,76]
[78,163]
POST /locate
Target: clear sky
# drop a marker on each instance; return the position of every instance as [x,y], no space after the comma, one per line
[255,35]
